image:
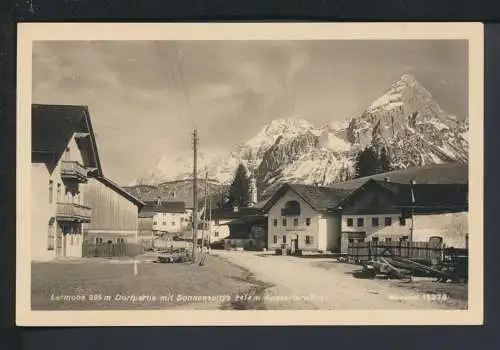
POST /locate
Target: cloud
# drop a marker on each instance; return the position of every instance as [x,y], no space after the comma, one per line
[136,91]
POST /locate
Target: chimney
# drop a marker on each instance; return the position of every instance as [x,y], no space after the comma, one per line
[316,186]
[158,201]
[413,182]
[387,179]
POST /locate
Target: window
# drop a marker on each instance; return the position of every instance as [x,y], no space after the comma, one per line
[275,222]
[51,191]
[402,221]
[351,240]
[58,195]
[284,239]
[295,222]
[275,239]
[388,239]
[97,240]
[375,239]
[404,239]
[154,223]
[284,222]
[173,223]
[388,221]
[309,239]
[216,234]
[308,221]
[361,222]
[374,222]
[350,222]
[291,208]
[164,223]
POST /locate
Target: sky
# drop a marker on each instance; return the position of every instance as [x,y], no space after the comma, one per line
[145,97]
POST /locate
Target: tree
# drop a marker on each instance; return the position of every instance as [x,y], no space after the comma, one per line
[385,161]
[367,163]
[238,192]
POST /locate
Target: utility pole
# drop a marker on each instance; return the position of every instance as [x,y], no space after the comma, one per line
[210,220]
[204,212]
[195,193]
[412,193]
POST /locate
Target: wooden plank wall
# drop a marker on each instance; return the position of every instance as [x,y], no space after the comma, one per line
[418,251]
[110,210]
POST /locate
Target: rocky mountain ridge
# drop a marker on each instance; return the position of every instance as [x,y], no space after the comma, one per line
[405,120]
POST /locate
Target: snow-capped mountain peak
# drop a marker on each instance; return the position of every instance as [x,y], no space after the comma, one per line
[405,120]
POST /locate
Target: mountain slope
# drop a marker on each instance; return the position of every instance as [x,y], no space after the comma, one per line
[405,120]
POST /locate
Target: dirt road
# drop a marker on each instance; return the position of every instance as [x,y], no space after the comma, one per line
[314,283]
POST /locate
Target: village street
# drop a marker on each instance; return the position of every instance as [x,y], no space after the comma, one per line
[321,283]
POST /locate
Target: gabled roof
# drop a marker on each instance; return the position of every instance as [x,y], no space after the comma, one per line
[151,207]
[251,219]
[427,197]
[446,173]
[107,182]
[52,127]
[223,213]
[318,197]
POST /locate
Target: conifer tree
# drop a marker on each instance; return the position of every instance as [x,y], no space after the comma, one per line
[238,192]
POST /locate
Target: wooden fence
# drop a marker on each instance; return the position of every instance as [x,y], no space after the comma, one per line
[107,250]
[425,252]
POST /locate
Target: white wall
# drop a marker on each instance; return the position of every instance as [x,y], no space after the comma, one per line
[452,227]
[333,232]
[302,230]
[42,209]
[219,230]
[41,212]
[381,231]
[170,222]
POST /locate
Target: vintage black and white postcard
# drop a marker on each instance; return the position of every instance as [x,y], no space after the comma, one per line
[250,174]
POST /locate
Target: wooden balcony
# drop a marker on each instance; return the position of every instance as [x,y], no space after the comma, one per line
[73,212]
[71,170]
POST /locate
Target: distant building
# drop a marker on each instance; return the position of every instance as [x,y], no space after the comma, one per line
[165,219]
[298,218]
[63,152]
[247,233]
[218,228]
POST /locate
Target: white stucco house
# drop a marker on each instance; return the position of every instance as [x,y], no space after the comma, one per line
[63,153]
[385,211]
[298,218]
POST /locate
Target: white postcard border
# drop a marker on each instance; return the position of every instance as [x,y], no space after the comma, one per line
[29,32]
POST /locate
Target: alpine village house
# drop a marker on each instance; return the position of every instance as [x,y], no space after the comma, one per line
[72,199]
[420,204]
[298,218]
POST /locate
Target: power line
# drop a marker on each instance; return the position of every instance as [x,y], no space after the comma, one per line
[170,77]
[185,87]
[181,71]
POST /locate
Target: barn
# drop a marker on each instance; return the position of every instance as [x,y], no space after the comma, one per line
[115,212]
